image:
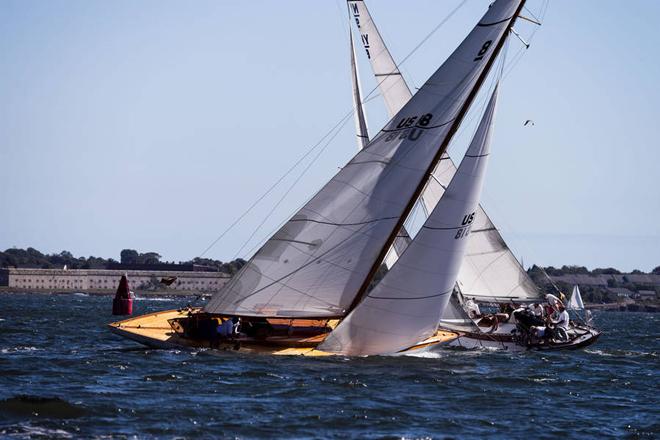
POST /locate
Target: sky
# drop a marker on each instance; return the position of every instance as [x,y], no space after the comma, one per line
[154,125]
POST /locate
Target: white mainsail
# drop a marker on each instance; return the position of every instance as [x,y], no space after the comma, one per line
[361,128]
[575,303]
[405,307]
[391,84]
[490,272]
[319,262]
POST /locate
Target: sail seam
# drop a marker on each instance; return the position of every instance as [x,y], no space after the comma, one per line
[483,230]
[409,298]
[442,229]
[342,224]
[384,162]
[417,126]
[493,24]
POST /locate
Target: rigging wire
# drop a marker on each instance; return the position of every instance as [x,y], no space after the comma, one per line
[339,124]
[290,188]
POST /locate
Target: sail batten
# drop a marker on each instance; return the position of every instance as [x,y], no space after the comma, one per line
[326,276]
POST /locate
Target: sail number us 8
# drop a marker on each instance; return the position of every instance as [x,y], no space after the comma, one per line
[466,225]
[407,130]
[483,50]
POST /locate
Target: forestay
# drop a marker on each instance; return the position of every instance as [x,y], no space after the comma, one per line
[405,307]
[315,265]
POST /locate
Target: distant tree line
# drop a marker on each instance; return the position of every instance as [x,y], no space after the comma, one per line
[591,293]
[32,258]
[535,271]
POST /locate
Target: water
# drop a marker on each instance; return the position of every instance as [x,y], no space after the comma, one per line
[63,375]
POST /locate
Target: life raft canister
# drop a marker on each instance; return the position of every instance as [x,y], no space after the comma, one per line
[122,304]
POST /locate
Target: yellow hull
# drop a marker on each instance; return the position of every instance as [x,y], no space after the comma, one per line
[154,330]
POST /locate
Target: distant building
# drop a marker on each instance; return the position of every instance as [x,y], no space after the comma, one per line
[102,280]
[646,294]
[621,292]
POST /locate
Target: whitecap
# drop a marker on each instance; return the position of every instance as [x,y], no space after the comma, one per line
[154,298]
[19,349]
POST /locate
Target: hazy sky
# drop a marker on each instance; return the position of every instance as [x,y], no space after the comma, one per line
[154,124]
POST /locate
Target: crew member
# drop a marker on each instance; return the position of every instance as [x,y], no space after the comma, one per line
[560,322]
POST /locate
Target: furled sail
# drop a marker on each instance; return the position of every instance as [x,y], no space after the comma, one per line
[319,262]
[491,272]
[361,128]
[405,307]
[391,84]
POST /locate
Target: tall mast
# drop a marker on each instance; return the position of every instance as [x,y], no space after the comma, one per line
[361,129]
[443,147]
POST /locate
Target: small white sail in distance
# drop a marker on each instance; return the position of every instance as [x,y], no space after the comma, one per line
[405,307]
[361,129]
[575,303]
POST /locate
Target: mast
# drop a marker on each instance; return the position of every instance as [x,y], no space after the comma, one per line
[443,147]
[361,129]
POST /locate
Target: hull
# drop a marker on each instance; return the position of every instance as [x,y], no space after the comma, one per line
[508,342]
[154,330]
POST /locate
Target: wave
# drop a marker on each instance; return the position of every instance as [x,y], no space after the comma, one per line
[19,349]
[29,432]
[155,298]
[49,407]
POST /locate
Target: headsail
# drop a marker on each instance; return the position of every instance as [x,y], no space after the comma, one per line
[320,262]
[361,129]
[405,307]
[491,272]
[391,84]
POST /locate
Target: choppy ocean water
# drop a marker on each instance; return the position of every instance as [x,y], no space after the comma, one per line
[63,375]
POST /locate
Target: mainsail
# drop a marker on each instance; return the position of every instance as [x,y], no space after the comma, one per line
[321,261]
[405,307]
[490,271]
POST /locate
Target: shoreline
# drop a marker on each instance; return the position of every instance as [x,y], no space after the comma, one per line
[606,307]
[181,293]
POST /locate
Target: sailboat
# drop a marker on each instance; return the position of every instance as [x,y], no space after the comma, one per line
[490,274]
[309,289]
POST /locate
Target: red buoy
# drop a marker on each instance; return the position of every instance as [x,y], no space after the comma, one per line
[123,302]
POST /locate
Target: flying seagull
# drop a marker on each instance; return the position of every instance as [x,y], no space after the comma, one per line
[528,122]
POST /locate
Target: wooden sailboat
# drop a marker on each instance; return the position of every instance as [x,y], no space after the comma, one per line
[308,289]
[490,273]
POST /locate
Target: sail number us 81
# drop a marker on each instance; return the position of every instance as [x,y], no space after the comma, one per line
[466,225]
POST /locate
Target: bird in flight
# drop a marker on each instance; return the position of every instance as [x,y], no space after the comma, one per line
[528,122]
